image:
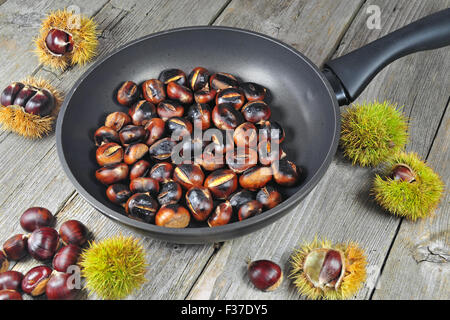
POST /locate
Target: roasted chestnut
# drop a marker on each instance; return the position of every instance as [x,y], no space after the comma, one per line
[161,171]
[222,183]
[253,91]
[222,80]
[162,149]
[15,247]
[140,169]
[170,192]
[144,185]
[270,131]
[4,263]
[10,295]
[104,135]
[249,209]
[172,216]
[141,112]
[178,127]
[269,197]
[135,152]
[109,154]
[118,193]
[169,108]
[211,160]
[221,141]
[112,174]
[117,120]
[241,159]
[142,207]
[153,91]
[225,116]
[256,111]
[66,256]
[132,134]
[60,287]
[36,217]
[245,135]
[10,92]
[172,75]
[198,78]
[73,232]
[59,42]
[241,197]
[11,280]
[128,93]
[200,202]
[188,175]
[255,178]
[179,93]
[35,280]
[285,172]
[155,130]
[234,96]
[43,243]
[200,116]
[221,215]
[269,151]
[205,95]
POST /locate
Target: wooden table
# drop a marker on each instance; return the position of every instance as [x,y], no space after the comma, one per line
[406,260]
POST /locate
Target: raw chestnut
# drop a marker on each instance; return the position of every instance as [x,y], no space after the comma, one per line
[198,78]
[241,159]
[140,169]
[402,172]
[222,183]
[155,130]
[200,202]
[59,42]
[128,93]
[135,152]
[253,91]
[161,171]
[270,131]
[24,95]
[285,172]
[109,154]
[234,96]
[10,92]
[35,281]
[189,175]
[178,127]
[15,247]
[172,75]
[249,209]
[60,287]
[172,216]
[169,108]
[104,135]
[170,192]
[66,256]
[269,197]
[200,116]
[205,95]
[118,193]
[265,275]
[43,243]
[221,215]
[153,91]
[256,111]
[142,207]
[4,263]
[11,280]
[226,117]
[112,174]
[73,232]
[179,93]
[255,178]
[222,80]
[117,120]
[241,197]
[144,185]
[10,295]
[132,134]
[42,103]
[162,149]
[245,135]
[141,112]
[324,268]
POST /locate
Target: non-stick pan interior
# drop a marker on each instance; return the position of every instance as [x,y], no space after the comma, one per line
[300,101]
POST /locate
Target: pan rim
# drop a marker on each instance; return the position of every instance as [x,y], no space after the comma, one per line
[202,234]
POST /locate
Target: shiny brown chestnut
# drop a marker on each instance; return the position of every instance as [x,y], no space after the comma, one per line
[36,217]
[11,280]
[256,111]
[241,197]
[142,207]
[270,130]
[66,256]
[24,95]
[153,91]
[253,91]
[180,93]
[226,117]
[42,103]
[189,175]
[118,193]
[172,216]
[178,127]
[200,202]
[10,295]
[172,75]
[403,172]
[109,154]
[4,263]
[221,141]
[269,197]
[141,112]
[144,185]
[285,172]
[246,135]
[265,274]
[35,280]
[169,108]
[170,192]
[162,149]
[269,151]
[221,215]
[155,130]
[132,134]
[222,80]
[128,93]
[10,92]
[117,120]
[249,209]
[140,169]
[104,135]
[205,95]
[200,115]
[134,153]
[73,232]
[15,248]
[222,183]
[255,178]
[161,171]
[234,96]
[241,159]
[43,243]
[59,42]
[112,174]
[60,287]
[198,78]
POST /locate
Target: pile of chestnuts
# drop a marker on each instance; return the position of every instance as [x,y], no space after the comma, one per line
[198,146]
[57,250]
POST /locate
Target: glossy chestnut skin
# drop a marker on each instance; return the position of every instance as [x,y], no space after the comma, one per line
[162,149]
[112,174]
[226,117]
[128,93]
[117,120]
[156,127]
[189,175]
[141,112]
[221,215]
[10,92]
[172,75]
[200,202]
[4,263]
[15,248]
[172,216]
[246,135]
[402,172]
[43,243]
[285,172]
[153,91]
[241,197]
[66,256]
[140,169]
[178,127]
[270,130]
[60,287]
[134,153]
[10,295]
[222,183]
[118,193]
[269,197]
[59,42]
[161,171]
[109,153]
[180,93]
[249,209]
[222,80]
[169,108]
[36,217]
[132,134]
[241,159]
[144,185]
[35,280]
[256,111]
[11,280]
[269,152]
[24,95]
[205,95]
[198,78]
[255,178]
[253,91]
[142,207]
[104,135]
[42,103]
[73,232]
[234,96]
[265,275]
[200,115]
[170,192]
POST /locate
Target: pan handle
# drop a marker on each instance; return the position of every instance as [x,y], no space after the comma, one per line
[351,73]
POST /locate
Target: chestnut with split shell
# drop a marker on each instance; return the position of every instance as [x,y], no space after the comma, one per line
[162,149]
[270,130]
[169,108]
[200,116]
[226,117]
[170,192]
[249,209]
[221,215]
[325,268]
[155,130]
[255,178]
[222,183]
[142,207]
[172,216]
[198,78]
[153,91]
[256,111]
[180,93]
[117,120]
[128,93]
[234,96]
[189,175]
[131,134]
[253,91]
[172,75]
[112,174]
[285,172]
[241,197]
[161,171]
[144,185]
[35,280]
[178,128]
[246,135]
[118,193]
[141,112]
[205,95]
[269,197]
[104,135]
[222,80]
[140,169]
[200,202]
[135,152]
[109,154]
[241,159]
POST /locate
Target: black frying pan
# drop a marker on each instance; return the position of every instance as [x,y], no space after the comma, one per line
[305,101]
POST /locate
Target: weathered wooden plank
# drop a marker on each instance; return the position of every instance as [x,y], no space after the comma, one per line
[340,208]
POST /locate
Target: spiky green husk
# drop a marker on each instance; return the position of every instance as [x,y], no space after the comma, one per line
[355,271]
[114,267]
[413,200]
[371,132]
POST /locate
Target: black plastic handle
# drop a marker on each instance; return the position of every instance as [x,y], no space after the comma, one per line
[351,73]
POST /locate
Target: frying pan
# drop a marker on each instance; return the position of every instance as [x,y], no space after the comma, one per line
[304,99]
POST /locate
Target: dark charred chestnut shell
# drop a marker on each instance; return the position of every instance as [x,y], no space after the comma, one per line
[162,149]
[249,209]
[109,153]
[221,215]
[169,108]
[180,93]
[104,135]
[234,96]
[198,78]
[222,183]
[269,197]
[66,256]
[161,171]
[43,243]
[253,91]
[226,117]
[135,152]
[141,112]
[246,135]
[142,207]
[112,174]
[285,172]
[144,185]
[117,120]
[156,128]
[241,159]
[189,175]
[256,111]
[35,280]
[11,280]
[172,216]
[170,192]
[269,152]
[118,193]
[255,178]
[241,197]
[140,169]
[73,232]
[270,130]
[200,202]
[200,115]
[36,217]
[178,127]
[222,80]
[172,75]
[153,91]
[128,93]
[205,95]
[15,247]
[132,134]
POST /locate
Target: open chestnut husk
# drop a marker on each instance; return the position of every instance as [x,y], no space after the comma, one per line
[222,183]
[222,80]
[153,91]
[226,117]
[60,287]
[221,215]
[155,130]
[4,263]
[112,174]
[11,280]
[10,295]
[249,209]
[35,280]
[140,169]
[73,232]
[200,202]
[66,256]
[256,111]
[118,193]
[234,96]
[43,243]
[141,112]
[104,135]
[131,134]
[172,75]
[255,178]
[285,172]
[169,108]
[135,152]
[162,149]
[142,207]
[170,192]
[189,175]
[117,120]
[15,247]
[325,268]
[198,78]
[403,172]
[172,216]
[269,197]
[109,154]
[128,93]
[144,185]
[59,42]
[253,91]
[265,275]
